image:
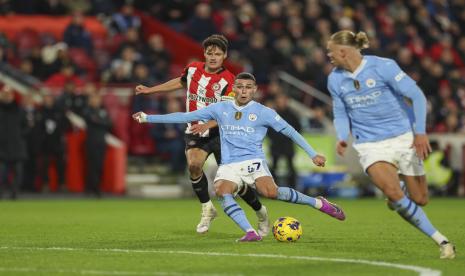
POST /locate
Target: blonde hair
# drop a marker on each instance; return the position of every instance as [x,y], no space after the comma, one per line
[348,38]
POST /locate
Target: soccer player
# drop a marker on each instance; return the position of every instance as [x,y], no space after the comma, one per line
[206,83]
[243,125]
[389,135]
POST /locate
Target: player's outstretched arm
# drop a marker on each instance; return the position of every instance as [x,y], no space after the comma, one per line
[318,159]
[199,129]
[174,118]
[171,85]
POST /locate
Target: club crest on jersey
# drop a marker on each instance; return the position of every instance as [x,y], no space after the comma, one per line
[370,83]
[238,115]
[216,86]
[357,84]
[252,117]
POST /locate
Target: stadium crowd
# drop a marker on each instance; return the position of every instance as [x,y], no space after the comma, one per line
[426,37]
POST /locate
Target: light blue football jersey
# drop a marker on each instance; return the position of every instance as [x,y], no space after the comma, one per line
[370,102]
[242,128]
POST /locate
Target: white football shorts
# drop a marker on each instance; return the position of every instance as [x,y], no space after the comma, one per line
[397,151]
[243,173]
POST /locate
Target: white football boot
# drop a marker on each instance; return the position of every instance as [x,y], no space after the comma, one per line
[447,250]
[207,216]
[263,221]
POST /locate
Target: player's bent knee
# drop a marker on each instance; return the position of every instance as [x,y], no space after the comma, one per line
[421,200]
[195,169]
[218,192]
[222,188]
[271,192]
[393,194]
[217,189]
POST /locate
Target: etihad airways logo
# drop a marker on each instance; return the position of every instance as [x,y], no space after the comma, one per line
[362,101]
[197,98]
[238,128]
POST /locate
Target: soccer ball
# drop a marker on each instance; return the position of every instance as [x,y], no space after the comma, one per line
[287,229]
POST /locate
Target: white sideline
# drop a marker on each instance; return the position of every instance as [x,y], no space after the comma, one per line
[107,272]
[422,271]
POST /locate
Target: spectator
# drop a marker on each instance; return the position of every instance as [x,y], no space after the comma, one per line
[461,47]
[142,75]
[274,89]
[226,23]
[50,7]
[274,20]
[158,58]
[26,67]
[33,142]
[299,66]
[319,122]
[122,67]
[76,35]
[98,125]
[39,69]
[282,146]
[12,143]
[99,7]
[200,25]
[173,12]
[169,139]
[439,174]
[259,56]
[4,48]
[445,43]
[52,129]
[66,75]
[82,6]
[71,100]
[132,39]
[124,20]
[246,16]
[318,69]
[282,51]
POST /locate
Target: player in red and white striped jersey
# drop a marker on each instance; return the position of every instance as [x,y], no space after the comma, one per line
[206,83]
[204,88]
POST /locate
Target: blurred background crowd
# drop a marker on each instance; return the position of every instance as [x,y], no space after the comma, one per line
[81,69]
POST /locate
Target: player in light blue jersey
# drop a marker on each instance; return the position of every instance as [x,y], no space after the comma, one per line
[243,125]
[389,135]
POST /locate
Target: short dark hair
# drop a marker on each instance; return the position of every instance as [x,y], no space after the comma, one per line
[216,40]
[245,76]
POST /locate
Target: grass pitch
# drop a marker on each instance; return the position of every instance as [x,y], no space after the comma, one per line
[157,237]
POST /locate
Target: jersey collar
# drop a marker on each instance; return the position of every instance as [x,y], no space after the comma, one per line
[219,71]
[242,107]
[357,71]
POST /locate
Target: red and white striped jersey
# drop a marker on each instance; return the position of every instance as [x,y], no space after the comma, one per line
[204,88]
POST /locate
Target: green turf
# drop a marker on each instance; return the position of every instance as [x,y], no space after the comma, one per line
[68,237]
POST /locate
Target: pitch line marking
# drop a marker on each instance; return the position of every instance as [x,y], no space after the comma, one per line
[106,272]
[422,271]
